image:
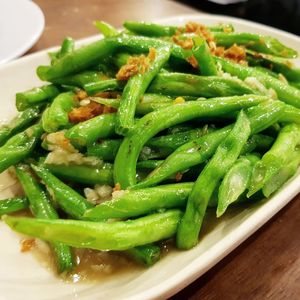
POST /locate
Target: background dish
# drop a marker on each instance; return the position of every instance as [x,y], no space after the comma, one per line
[172,273]
[21,24]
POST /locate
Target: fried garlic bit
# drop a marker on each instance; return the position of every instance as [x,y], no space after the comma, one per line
[90,110]
[136,65]
[199,29]
[185,43]
[27,244]
[193,61]
[235,53]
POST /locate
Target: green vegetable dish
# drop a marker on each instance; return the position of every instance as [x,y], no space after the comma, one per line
[134,137]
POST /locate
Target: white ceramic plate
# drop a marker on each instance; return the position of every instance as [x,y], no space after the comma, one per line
[22,274]
[21,24]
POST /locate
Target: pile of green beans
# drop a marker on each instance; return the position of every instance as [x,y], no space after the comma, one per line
[180,132]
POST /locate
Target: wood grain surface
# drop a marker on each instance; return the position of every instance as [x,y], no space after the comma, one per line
[267,265]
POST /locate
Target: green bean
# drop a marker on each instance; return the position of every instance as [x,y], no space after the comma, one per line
[93,53]
[104,149]
[89,175]
[277,157]
[135,88]
[20,122]
[276,64]
[286,172]
[147,255]
[225,156]
[88,132]
[104,85]
[11,205]
[162,145]
[156,30]
[106,29]
[79,60]
[120,235]
[150,29]
[41,208]
[180,84]
[296,85]
[80,79]
[199,150]
[67,47]
[69,200]
[258,142]
[201,52]
[55,117]
[291,114]
[149,164]
[284,91]
[235,182]
[152,123]
[35,96]
[19,146]
[141,107]
[264,44]
[135,203]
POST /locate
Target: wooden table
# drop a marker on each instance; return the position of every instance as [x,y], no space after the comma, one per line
[267,265]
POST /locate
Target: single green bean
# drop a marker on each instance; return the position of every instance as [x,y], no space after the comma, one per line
[276,64]
[69,200]
[148,255]
[103,85]
[35,96]
[11,205]
[180,84]
[256,42]
[79,60]
[235,182]
[291,114]
[55,117]
[225,156]
[88,132]
[135,203]
[41,208]
[19,146]
[67,47]
[106,29]
[89,175]
[285,92]
[81,79]
[135,88]
[285,173]
[120,235]
[157,30]
[276,158]
[201,52]
[20,122]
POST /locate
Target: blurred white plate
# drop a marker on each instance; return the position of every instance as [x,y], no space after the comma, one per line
[21,24]
[21,274]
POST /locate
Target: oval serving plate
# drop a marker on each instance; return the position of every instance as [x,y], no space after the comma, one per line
[23,274]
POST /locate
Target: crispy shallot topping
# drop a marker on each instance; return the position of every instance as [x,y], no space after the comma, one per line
[193,61]
[27,244]
[117,187]
[183,43]
[199,29]
[91,110]
[136,65]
